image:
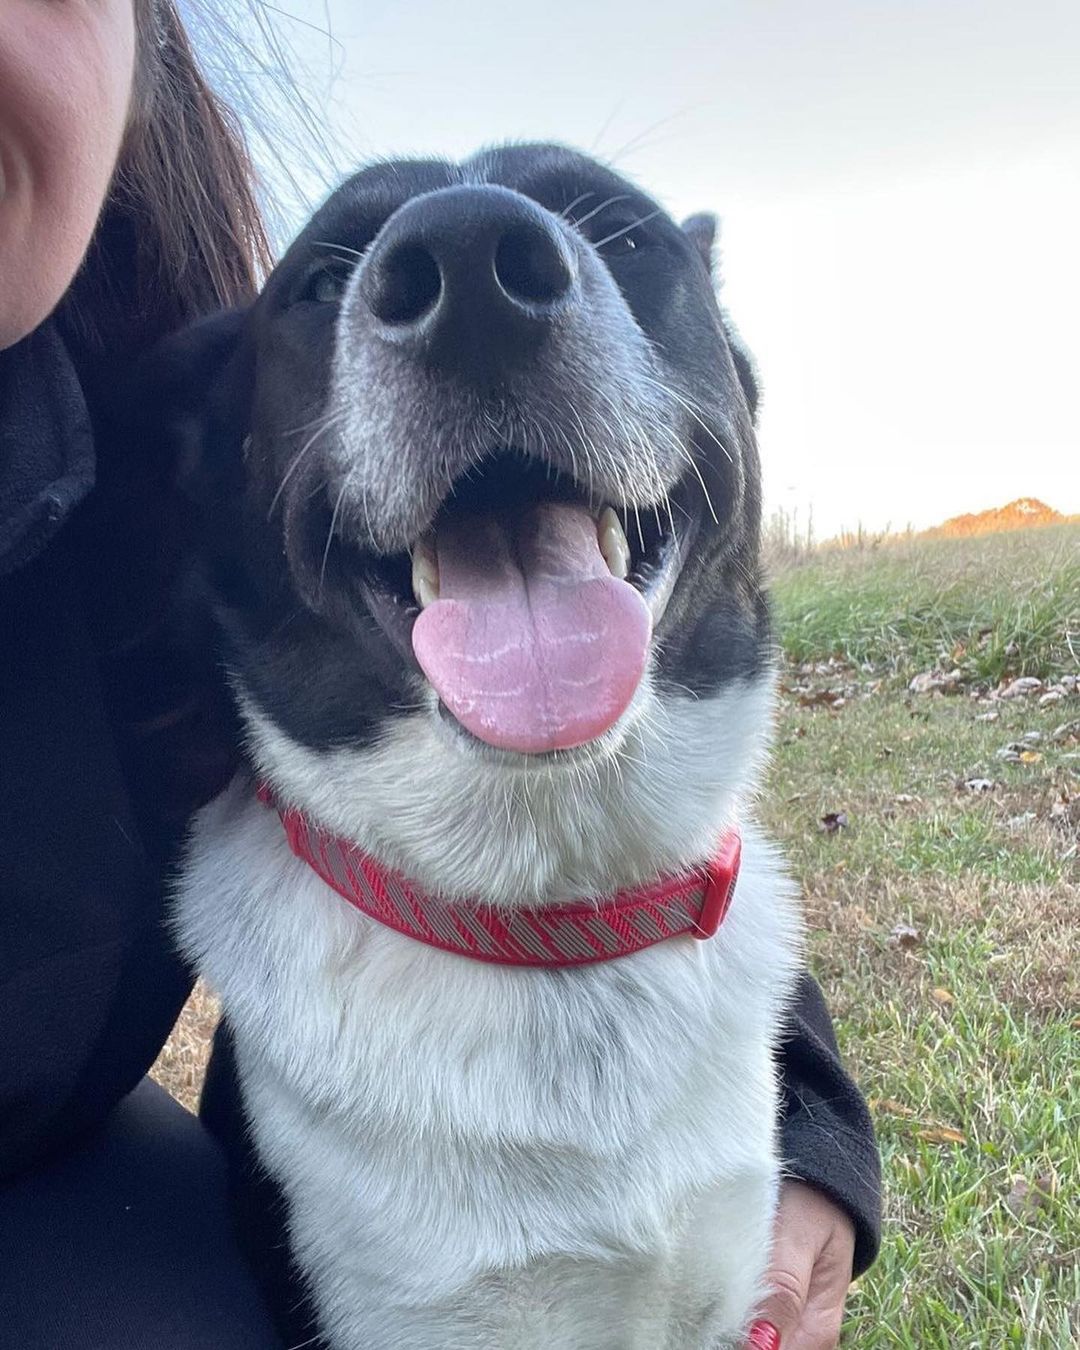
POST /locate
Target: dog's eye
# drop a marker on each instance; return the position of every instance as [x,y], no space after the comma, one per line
[618,240]
[625,243]
[327,285]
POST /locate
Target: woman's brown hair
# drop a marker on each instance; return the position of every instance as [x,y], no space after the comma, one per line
[181,234]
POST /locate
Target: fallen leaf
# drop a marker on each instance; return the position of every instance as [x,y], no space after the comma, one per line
[942,1134]
[942,997]
[1026,684]
[1030,756]
[905,937]
[887,1106]
[904,799]
[930,681]
[1025,1199]
[1051,696]
[1066,734]
[1066,809]
[822,698]
[1047,1183]
[833,822]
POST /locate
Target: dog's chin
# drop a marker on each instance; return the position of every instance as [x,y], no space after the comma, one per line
[459,817]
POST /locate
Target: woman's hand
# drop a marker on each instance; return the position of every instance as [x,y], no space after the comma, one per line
[809,1273]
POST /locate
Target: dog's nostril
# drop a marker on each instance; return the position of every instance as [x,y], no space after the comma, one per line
[530,267]
[407,286]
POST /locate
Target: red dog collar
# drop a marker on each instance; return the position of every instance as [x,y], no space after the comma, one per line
[558,935]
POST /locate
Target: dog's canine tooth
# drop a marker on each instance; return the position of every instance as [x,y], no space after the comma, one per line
[425,572]
[613,543]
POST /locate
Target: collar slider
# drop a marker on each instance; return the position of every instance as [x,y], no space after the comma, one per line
[722,872]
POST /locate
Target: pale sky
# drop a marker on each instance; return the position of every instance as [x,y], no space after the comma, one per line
[899,186]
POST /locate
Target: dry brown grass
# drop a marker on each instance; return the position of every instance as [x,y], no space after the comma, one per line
[181,1066]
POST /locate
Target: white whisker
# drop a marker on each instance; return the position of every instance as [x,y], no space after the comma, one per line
[332,527]
[570,205]
[617,234]
[333,420]
[619,197]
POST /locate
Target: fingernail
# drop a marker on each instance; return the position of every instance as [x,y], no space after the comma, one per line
[764,1336]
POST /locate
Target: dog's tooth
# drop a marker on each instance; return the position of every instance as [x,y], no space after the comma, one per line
[613,543]
[425,592]
[425,572]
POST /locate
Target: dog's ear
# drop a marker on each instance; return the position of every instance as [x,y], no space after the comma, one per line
[703,230]
[188,395]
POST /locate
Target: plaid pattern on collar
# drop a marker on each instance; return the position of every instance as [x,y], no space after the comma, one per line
[574,934]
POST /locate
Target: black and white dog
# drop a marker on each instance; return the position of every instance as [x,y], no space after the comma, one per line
[482,494]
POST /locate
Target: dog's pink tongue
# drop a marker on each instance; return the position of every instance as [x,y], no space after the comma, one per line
[533,645]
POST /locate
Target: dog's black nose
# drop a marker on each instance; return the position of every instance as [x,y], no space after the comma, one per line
[470,278]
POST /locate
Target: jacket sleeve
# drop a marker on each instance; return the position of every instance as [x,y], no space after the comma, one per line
[826,1135]
[103,755]
[89,984]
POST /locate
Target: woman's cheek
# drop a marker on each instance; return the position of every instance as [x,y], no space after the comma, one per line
[65,87]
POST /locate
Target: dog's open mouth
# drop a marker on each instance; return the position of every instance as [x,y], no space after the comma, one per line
[530,609]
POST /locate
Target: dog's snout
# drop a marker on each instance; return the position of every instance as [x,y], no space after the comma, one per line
[469,277]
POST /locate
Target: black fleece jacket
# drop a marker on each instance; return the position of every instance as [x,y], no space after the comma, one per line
[106,744]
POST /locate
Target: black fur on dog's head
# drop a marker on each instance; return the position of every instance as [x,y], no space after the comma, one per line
[448,336]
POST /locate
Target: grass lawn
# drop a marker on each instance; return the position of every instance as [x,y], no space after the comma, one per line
[944,917]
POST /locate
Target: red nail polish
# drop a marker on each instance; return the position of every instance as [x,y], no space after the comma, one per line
[764,1336]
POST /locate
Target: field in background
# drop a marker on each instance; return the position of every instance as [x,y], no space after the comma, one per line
[935,833]
[789,538]
[991,607]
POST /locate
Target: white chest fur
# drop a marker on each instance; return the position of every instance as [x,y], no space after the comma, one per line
[493,1157]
